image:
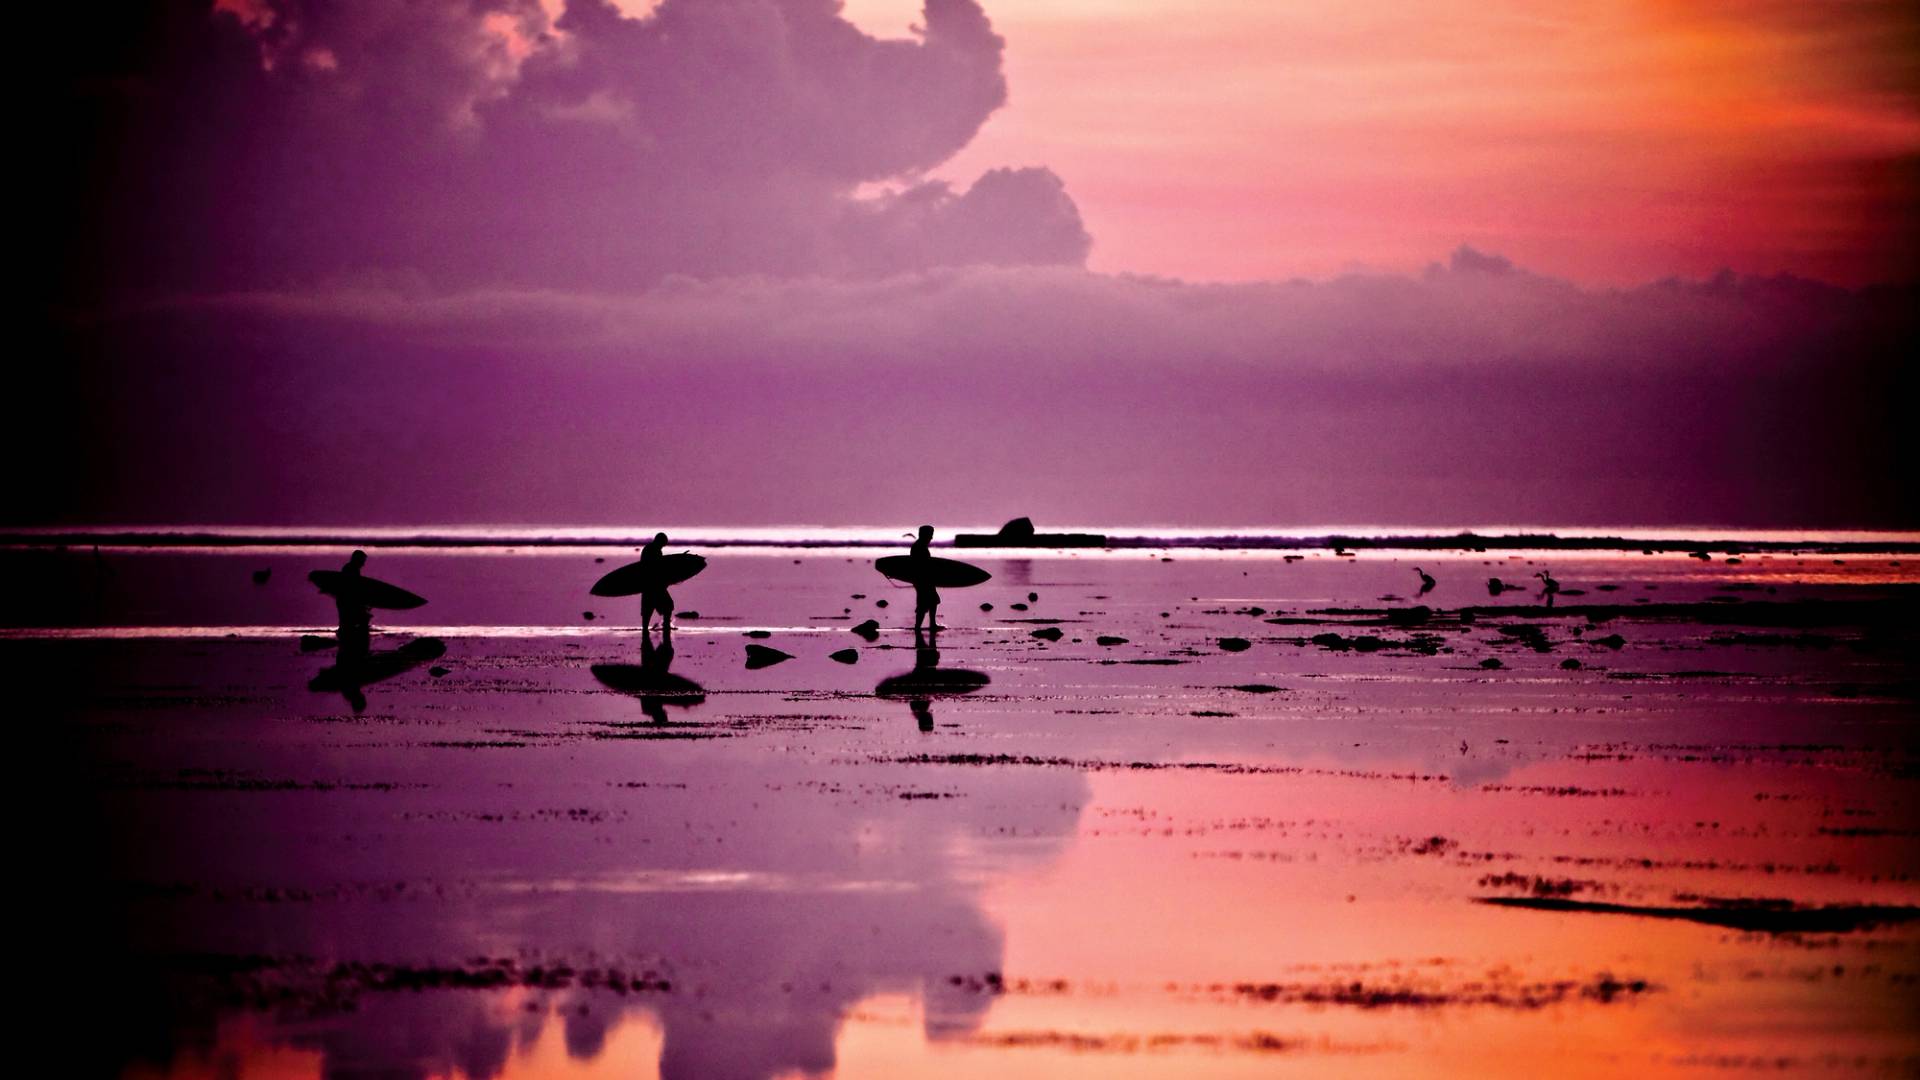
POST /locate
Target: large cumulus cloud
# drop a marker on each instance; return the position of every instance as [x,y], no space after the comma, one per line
[267,142]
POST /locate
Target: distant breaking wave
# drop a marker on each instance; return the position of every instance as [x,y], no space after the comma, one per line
[1315,538]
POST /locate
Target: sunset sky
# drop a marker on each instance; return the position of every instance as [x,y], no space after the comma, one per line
[557,260]
[1611,142]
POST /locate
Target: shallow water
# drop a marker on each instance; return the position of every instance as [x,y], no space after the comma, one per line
[1693,852]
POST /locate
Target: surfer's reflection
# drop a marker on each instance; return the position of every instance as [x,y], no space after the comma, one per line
[928,681]
[650,681]
[356,666]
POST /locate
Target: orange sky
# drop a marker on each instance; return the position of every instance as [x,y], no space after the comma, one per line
[1609,141]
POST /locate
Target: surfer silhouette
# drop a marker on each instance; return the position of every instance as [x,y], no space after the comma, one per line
[926,598]
[356,615]
[656,598]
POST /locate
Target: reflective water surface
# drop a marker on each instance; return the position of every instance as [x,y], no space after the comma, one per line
[1671,830]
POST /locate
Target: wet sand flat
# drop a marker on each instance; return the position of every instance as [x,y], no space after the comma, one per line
[1180,813]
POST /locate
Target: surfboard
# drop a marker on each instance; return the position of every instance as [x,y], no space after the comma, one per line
[937,572]
[639,679]
[636,578]
[931,682]
[369,591]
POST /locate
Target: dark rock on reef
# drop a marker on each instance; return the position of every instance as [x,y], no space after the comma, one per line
[1020,533]
[759,656]
[1033,598]
[1048,633]
[1570,664]
[845,656]
[1492,663]
[879,603]
[1611,641]
[1412,616]
[436,671]
[1531,635]
[1235,644]
[260,576]
[869,630]
[1109,639]
[760,634]
[1423,644]
[986,607]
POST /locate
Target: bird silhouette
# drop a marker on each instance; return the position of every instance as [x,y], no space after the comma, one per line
[1426,582]
[1548,587]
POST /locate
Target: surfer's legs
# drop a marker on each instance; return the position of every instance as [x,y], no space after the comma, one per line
[656,600]
[355,636]
[926,604]
[355,646]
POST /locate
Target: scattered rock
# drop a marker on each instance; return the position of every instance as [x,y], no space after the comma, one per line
[1492,663]
[1109,639]
[1424,644]
[1256,688]
[845,656]
[1570,664]
[1048,633]
[1018,607]
[436,671]
[260,576]
[1532,635]
[686,614]
[986,607]
[869,630]
[760,634]
[588,615]
[1033,598]
[1611,641]
[759,656]
[879,603]
[1235,644]
[1412,616]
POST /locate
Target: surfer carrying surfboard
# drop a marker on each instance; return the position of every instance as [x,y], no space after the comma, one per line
[356,615]
[656,597]
[928,575]
[926,598]
[648,579]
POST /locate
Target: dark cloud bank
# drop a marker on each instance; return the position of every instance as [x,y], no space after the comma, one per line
[449,262]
